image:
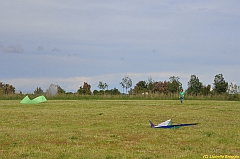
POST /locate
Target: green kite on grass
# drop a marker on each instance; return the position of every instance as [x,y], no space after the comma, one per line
[27,100]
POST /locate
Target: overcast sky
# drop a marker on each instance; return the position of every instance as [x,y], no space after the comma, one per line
[68,42]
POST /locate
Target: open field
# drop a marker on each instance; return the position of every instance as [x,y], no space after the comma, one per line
[118,129]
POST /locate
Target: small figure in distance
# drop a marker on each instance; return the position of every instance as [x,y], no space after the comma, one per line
[181,94]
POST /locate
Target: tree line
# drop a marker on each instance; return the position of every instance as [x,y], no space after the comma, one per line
[6,88]
[172,86]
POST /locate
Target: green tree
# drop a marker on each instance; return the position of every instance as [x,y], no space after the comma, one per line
[60,90]
[194,85]
[95,92]
[220,85]
[150,84]
[205,90]
[1,88]
[174,85]
[140,87]
[142,84]
[126,83]
[38,90]
[85,89]
[113,91]
[7,88]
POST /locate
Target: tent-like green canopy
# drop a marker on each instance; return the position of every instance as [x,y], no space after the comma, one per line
[27,100]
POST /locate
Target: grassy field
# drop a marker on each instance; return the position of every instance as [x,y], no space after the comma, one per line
[119,129]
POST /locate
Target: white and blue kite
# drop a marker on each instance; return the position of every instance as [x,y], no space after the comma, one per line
[168,124]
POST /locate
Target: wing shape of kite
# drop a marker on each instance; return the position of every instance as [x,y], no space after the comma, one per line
[168,124]
[27,100]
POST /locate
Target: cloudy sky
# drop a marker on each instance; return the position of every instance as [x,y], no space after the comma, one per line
[75,41]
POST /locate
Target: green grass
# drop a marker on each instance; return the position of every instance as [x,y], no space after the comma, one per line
[118,129]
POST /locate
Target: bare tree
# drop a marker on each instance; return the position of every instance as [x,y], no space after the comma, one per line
[102,86]
[126,83]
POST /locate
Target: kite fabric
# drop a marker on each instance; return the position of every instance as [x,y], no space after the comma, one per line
[27,100]
[168,124]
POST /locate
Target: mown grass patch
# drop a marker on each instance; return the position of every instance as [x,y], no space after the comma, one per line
[118,129]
